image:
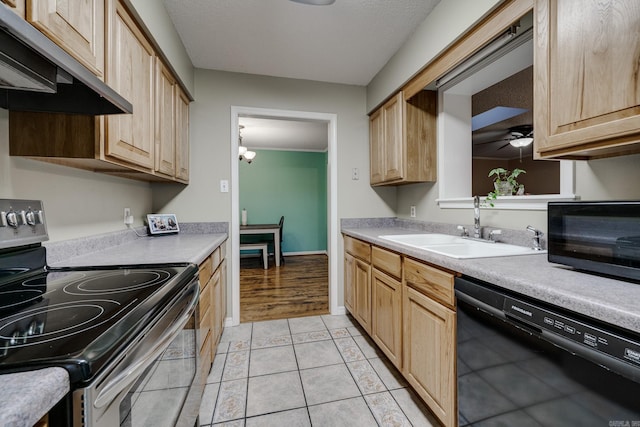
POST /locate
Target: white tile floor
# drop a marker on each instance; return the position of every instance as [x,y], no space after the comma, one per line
[311,371]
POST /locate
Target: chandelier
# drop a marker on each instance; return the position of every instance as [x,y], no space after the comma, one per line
[243,153]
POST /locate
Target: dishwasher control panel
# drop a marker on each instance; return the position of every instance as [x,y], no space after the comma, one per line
[574,330]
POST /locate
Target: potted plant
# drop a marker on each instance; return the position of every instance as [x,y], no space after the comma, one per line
[505,183]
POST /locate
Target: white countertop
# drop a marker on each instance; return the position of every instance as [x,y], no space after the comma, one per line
[612,301]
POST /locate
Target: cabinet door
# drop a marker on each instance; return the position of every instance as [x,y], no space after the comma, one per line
[393,143]
[586,84]
[362,286]
[376,147]
[429,353]
[182,135]
[76,26]
[386,322]
[216,296]
[130,72]
[16,6]
[165,120]
[349,279]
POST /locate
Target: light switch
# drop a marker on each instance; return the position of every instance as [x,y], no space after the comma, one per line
[224,186]
[355,174]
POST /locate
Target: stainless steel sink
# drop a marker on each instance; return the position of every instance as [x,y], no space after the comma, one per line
[458,247]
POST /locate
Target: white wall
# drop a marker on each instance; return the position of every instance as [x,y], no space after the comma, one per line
[77,202]
[443,26]
[210,118]
[210,157]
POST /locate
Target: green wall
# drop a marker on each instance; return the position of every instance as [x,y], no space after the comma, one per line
[289,183]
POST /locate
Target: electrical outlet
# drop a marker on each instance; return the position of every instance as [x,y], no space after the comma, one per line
[127,214]
[413,211]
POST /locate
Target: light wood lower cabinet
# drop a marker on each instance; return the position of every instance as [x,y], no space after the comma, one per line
[412,319]
[429,353]
[387,316]
[386,301]
[358,280]
[213,304]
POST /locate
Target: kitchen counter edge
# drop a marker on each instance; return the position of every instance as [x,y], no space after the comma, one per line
[28,396]
[605,299]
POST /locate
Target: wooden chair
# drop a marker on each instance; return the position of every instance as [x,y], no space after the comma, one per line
[258,246]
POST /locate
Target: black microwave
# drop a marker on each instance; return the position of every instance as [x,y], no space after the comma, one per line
[600,236]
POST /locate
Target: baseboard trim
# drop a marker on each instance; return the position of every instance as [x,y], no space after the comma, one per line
[339,310]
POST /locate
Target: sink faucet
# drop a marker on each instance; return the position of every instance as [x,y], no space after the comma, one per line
[476,217]
[537,234]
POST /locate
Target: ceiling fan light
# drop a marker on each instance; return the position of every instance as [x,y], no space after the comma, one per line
[249,155]
[315,2]
[242,150]
[521,142]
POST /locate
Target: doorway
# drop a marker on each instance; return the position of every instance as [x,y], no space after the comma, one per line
[332,220]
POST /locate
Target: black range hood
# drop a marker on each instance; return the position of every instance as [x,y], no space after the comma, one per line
[38,75]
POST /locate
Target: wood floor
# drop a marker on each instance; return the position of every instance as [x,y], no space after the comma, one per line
[299,287]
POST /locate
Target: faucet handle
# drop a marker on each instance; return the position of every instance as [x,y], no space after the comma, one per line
[537,234]
[494,233]
[463,231]
[535,231]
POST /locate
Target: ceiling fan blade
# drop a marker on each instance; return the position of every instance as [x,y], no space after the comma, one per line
[504,146]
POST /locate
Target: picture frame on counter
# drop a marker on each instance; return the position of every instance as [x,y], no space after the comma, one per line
[162,223]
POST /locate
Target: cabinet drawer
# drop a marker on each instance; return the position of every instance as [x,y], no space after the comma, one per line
[387,261]
[357,248]
[205,272]
[434,283]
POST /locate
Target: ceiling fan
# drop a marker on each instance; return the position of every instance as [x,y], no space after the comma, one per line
[518,137]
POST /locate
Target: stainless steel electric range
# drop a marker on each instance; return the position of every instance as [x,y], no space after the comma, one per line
[125,334]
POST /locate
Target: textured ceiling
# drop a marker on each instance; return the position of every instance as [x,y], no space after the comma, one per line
[347,42]
[293,135]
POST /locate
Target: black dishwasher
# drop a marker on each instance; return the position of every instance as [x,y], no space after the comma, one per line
[522,362]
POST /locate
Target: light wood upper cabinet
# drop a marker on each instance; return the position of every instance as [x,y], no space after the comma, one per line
[165,136]
[76,26]
[17,6]
[402,140]
[130,71]
[586,84]
[182,135]
[152,144]
[376,146]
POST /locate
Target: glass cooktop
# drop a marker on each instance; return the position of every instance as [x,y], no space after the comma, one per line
[78,318]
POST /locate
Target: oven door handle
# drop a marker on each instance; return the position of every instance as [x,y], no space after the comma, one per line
[121,381]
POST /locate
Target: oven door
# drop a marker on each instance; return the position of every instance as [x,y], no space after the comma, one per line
[155,380]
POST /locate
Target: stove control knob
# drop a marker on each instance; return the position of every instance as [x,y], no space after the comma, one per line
[30,216]
[12,219]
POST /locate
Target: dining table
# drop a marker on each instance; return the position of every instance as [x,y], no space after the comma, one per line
[273,229]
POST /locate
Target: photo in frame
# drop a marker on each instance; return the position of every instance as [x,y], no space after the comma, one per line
[162,223]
